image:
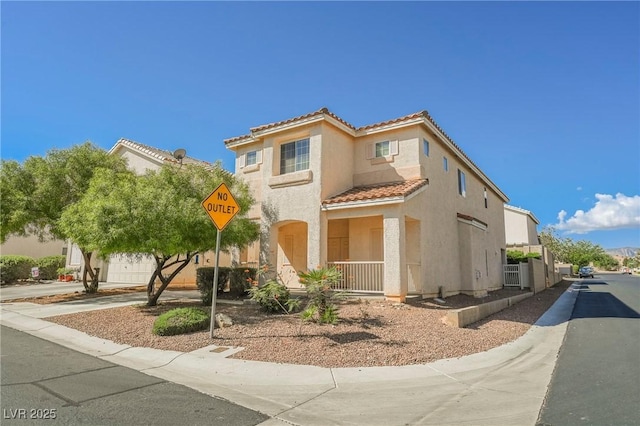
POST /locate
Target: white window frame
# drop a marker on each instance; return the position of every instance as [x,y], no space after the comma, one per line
[244,158]
[383,149]
[252,158]
[425,147]
[462,183]
[375,150]
[301,157]
[445,164]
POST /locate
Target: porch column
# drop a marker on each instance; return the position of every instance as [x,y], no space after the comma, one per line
[395,268]
[315,237]
[269,250]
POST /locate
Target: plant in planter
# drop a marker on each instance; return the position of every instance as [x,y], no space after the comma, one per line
[65,274]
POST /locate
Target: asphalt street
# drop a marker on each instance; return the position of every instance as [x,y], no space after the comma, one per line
[45,383]
[597,376]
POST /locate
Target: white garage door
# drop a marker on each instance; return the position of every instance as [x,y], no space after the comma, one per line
[123,269]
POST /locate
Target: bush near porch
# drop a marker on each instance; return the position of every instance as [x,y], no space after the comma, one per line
[238,278]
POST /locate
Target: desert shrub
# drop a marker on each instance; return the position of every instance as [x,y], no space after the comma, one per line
[180,321]
[273,296]
[15,267]
[49,266]
[204,281]
[321,296]
[240,280]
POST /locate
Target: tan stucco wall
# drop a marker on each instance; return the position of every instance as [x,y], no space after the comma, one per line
[252,175]
[336,172]
[138,163]
[443,263]
[537,277]
[30,246]
[293,202]
[402,166]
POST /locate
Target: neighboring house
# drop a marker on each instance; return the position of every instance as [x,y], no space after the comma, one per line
[32,247]
[122,268]
[397,205]
[521,234]
[520,226]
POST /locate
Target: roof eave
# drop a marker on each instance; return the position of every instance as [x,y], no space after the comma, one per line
[363,203]
[257,135]
[388,127]
[396,199]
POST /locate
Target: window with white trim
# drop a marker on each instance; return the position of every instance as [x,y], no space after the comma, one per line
[425,147]
[382,149]
[445,164]
[462,183]
[294,156]
[251,158]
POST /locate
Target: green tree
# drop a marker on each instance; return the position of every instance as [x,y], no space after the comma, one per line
[606,262]
[560,247]
[158,214]
[16,186]
[578,253]
[36,193]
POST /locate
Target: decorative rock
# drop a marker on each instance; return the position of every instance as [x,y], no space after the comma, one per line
[223,320]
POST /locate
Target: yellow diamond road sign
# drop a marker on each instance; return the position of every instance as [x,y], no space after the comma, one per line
[221,206]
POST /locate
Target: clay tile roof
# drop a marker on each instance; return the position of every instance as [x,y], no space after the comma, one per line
[395,120]
[321,111]
[325,111]
[160,154]
[378,191]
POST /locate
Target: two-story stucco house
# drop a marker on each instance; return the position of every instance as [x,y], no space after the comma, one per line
[397,205]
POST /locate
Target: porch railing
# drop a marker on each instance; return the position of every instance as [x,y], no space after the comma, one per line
[360,276]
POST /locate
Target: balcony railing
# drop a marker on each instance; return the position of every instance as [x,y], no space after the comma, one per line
[366,276]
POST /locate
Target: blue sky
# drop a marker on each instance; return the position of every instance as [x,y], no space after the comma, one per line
[543,96]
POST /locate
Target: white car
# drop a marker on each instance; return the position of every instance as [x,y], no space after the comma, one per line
[585,272]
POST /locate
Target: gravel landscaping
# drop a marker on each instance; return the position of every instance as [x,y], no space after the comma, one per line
[370,332]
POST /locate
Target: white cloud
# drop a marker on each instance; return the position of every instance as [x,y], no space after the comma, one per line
[608,213]
[579,188]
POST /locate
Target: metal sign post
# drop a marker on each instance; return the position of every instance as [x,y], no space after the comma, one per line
[221,208]
[215,285]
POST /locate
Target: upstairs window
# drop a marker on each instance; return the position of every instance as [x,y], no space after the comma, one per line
[425,147]
[486,201]
[252,158]
[462,183]
[294,156]
[445,164]
[382,149]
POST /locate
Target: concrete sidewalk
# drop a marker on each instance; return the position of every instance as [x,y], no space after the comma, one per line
[502,386]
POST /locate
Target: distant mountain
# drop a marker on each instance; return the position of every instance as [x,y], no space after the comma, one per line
[623,251]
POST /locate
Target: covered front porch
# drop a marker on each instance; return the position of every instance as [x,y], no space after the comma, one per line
[375,254]
[372,234]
